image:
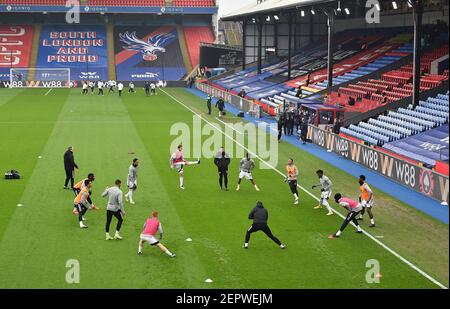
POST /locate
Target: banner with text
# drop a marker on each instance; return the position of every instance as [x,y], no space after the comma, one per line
[415,177]
[81,48]
[15,48]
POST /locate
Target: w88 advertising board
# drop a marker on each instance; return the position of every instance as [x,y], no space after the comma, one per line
[417,178]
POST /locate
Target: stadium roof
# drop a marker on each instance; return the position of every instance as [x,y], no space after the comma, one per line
[270,6]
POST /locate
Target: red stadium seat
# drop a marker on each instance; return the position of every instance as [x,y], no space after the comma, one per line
[195,36]
[394,85]
[156,3]
[193,3]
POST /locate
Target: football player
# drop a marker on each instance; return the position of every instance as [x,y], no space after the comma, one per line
[79,186]
[291,178]
[366,199]
[132,180]
[178,163]
[246,167]
[153,226]
[354,208]
[326,185]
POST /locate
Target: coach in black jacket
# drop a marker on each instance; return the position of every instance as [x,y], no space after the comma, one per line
[69,166]
[220,104]
[222,161]
[260,215]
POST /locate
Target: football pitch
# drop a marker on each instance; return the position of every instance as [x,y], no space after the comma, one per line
[38,238]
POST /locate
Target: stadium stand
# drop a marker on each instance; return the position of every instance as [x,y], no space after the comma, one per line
[34,2]
[194,36]
[193,3]
[387,59]
[373,51]
[364,47]
[410,132]
[245,79]
[353,62]
[156,3]
[358,49]
[362,64]
[392,86]
[232,32]
[428,147]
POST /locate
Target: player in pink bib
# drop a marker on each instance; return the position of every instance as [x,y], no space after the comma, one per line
[178,162]
[354,209]
[153,226]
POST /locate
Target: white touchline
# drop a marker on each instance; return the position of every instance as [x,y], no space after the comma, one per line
[401,258]
[50,90]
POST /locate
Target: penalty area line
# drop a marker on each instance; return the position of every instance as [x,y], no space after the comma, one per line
[384,246]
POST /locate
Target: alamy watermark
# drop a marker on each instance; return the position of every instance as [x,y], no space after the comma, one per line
[373,275]
[204,139]
[73,272]
[73,11]
[373,11]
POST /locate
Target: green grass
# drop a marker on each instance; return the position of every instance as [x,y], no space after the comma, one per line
[37,239]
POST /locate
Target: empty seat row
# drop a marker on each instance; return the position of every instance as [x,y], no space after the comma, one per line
[33,2]
[402,123]
[412,126]
[433,112]
[193,3]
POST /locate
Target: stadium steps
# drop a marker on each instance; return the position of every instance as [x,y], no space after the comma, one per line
[35,48]
[111,52]
[184,49]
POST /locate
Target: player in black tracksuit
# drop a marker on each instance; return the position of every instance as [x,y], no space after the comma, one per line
[220,104]
[280,127]
[69,167]
[147,88]
[304,125]
[290,123]
[222,161]
[208,104]
[260,215]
